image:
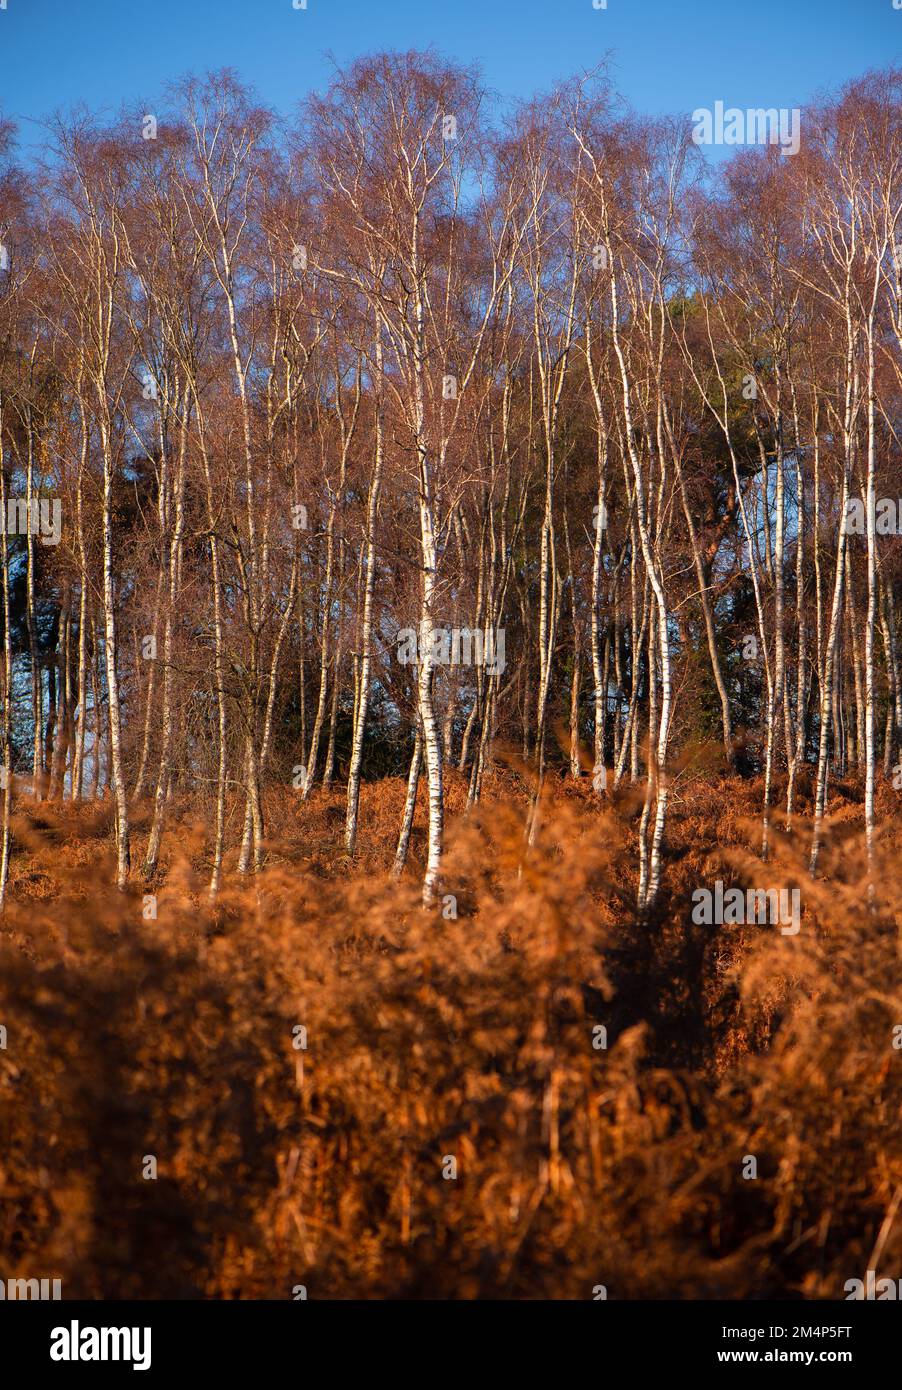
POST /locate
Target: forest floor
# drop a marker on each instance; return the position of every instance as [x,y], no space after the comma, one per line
[525,1093]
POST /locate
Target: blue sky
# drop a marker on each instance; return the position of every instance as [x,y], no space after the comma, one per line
[667,55]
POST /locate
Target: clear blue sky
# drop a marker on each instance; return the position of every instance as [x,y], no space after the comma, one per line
[668,55]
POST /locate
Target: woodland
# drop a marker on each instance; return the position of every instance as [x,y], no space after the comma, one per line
[438,540]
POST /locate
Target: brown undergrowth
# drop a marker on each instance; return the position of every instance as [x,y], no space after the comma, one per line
[441,1040]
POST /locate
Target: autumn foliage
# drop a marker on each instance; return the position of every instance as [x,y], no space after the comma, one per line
[431,1037]
[333,959]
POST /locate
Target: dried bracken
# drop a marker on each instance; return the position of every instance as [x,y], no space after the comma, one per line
[527,1092]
